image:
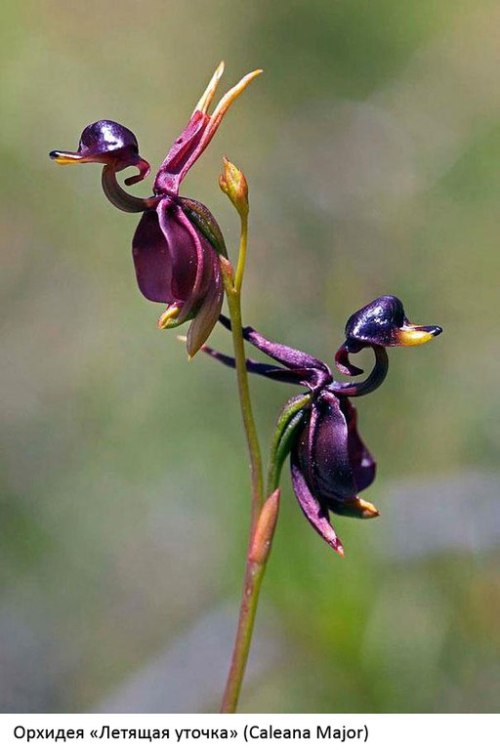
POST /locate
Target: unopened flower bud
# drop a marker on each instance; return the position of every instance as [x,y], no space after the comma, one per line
[233,183]
[264,531]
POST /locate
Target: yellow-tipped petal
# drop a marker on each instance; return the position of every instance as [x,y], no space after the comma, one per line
[415,335]
[168,318]
[209,92]
[231,96]
[65,157]
[361,508]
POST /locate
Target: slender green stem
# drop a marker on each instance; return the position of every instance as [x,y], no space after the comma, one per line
[254,574]
[242,255]
[234,303]
[254,570]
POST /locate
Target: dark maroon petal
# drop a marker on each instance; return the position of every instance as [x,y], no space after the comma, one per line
[259,368]
[369,384]
[193,258]
[343,363]
[327,455]
[182,155]
[152,260]
[206,317]
[362,462]
[316,515]
[311,371]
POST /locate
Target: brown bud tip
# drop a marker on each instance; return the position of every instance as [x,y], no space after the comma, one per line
[233,183]
[264,530]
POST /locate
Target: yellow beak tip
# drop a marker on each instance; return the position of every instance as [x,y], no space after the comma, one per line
[60,157]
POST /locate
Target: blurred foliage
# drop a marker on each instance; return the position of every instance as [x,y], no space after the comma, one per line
[371,149]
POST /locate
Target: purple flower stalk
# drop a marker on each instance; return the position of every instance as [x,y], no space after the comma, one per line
[330,464]
[177,242]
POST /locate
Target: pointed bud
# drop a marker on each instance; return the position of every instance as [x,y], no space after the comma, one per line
[227,271]
[233,183]
[264,531]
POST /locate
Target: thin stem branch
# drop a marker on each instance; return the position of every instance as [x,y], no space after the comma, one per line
[242,255]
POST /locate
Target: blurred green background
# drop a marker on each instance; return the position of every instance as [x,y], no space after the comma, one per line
[371,146]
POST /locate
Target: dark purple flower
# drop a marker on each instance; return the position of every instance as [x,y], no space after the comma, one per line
[177,241]
[330,464]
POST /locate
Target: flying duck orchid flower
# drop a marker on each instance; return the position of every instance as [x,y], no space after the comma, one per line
[177,242]
[330,464]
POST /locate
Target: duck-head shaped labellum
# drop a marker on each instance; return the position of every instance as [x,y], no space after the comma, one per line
[380,324]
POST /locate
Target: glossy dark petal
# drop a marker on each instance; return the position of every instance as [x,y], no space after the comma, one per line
[184,247]
[317,515]
[383,323]
[377,322]
[343,363]
[209,311]
[259,368]
[314,371]
[362,462]
[324,450]
[107,136]
[195,265]
[106,142]
[152,260]
[370,383]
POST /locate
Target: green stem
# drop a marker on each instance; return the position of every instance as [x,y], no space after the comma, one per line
[254,570]
[254,574]
[242,255]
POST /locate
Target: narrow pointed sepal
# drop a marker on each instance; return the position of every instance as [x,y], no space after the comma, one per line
[205,319]
[317,516]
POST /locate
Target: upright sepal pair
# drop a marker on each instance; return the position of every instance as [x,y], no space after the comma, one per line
[177,242]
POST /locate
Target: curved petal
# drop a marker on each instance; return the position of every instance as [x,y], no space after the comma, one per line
[356,507]
[311,508]
[362,462]
[259,368]
[208,314]
[180,157]
[309,370]
[152,260]
[192,258]
[328,457]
